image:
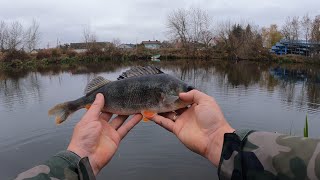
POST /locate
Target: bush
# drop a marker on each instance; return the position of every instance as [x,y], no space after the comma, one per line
[71,53]
[44,54]
[55,53]
[1,56]
[15,55]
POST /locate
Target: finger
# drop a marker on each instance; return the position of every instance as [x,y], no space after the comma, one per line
[164,122]
[194,96]
[106,116]
[118,121]
[96,107]
[124,129]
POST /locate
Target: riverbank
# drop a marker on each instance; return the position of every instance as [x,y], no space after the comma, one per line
[69,59]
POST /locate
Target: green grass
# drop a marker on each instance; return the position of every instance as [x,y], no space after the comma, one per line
[306,128]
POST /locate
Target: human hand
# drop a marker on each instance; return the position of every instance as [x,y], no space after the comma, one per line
[97,138]
[201,127]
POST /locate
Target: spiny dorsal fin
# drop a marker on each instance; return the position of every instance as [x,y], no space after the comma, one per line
[140,71]
[95,84]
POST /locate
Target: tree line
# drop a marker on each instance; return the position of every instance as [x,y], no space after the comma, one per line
[295,28]
[15,37]
[194,29]
[192,32]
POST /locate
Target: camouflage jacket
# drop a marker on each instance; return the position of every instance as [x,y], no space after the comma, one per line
[266,155]
[64,165]
[245,155]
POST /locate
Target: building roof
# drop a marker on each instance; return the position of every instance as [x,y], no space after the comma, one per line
[151,42]
[84,45]
[126,46]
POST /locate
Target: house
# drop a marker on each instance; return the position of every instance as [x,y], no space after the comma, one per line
[126,46]
[151,44]
[35,51]
[83,47]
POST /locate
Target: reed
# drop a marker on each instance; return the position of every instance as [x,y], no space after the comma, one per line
[306,128]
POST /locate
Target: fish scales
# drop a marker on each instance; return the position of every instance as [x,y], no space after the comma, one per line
[133,92]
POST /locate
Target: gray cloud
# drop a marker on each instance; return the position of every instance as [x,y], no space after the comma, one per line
[137,20]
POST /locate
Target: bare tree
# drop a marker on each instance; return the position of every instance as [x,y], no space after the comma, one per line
[178,25]
[89,37]
[32,36]
[191,27]
[15,36]
[116,42]
[306,24]
[315,30]
[3,35]
[295,27]
[291,28]
[200,26]
[287,29]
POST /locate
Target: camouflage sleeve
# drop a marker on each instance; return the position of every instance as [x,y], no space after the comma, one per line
[64,165]
[266,155]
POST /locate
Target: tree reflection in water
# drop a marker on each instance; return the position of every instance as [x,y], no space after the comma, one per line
[297,84]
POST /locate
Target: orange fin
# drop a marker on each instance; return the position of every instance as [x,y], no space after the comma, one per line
[145,119]
[87,106]
[147,115]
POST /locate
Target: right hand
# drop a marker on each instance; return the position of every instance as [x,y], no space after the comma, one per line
[98,137]
[201,127]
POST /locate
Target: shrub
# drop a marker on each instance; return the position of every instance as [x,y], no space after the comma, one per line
[1,56]
[71,53]
[55,53]
[44,54]
[15,55]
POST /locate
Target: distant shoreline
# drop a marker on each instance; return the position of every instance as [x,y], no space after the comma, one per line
[69,62]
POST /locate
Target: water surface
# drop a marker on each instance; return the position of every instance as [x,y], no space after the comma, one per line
[254,96]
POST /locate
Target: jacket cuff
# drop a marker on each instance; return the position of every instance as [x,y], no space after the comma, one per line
[230,159]
[81,166]
[71,158]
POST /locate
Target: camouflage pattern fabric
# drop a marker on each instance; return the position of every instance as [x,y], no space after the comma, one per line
[245,155]
[266,155]
[64,165]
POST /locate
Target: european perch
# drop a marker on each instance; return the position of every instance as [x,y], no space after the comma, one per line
[146,90]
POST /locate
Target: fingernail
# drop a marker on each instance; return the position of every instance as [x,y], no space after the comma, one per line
[99,95]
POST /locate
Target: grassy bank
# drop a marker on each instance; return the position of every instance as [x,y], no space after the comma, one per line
[18,60]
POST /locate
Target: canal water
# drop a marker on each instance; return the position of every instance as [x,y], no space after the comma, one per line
[252,96]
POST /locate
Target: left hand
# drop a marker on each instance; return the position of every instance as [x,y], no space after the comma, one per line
[97,138]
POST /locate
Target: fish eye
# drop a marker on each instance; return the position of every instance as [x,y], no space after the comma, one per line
[189,88]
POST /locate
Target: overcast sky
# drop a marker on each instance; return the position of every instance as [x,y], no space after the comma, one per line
[137,20]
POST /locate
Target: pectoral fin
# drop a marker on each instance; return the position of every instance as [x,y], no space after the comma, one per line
[147,115]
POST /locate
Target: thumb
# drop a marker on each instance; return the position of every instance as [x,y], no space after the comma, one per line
[194,96]
[96,106]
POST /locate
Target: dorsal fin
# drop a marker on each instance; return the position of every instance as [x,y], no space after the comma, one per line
[140,71]
[95,84]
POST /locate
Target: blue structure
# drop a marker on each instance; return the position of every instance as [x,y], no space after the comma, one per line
[299,47]
[279,49]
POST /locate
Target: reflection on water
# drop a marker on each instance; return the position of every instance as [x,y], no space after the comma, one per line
[17,91]
[298,86]
[256,96]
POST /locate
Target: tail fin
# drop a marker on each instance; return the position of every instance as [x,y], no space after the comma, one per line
[61,111]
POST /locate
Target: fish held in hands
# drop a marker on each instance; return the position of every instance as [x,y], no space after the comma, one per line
[146,90]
